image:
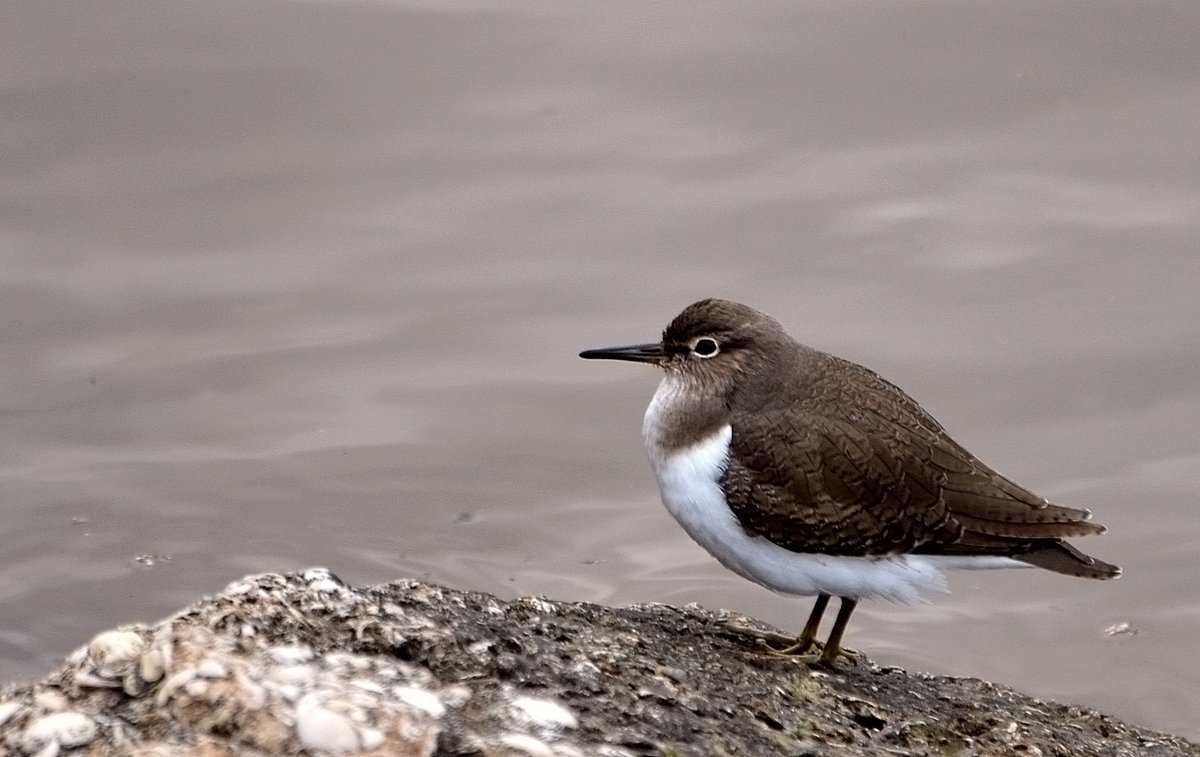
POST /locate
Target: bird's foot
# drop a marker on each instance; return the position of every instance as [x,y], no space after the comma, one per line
[807,650]
[761,635]
[792,647]
[799,651]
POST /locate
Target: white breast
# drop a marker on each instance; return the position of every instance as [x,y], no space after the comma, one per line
[688,480]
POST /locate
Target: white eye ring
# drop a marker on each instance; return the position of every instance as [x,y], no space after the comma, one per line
[705,347]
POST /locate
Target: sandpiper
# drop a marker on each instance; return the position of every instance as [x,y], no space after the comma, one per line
[812,475]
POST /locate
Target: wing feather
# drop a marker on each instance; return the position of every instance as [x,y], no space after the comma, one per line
[814,484]
[811,484]
[883,477]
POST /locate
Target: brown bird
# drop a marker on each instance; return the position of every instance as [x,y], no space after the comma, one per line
[812,475]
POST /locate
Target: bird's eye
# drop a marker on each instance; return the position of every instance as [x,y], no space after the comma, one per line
[705,347]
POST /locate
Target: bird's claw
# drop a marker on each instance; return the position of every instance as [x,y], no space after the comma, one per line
[799,649]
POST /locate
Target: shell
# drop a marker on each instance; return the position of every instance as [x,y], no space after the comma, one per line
[49,733]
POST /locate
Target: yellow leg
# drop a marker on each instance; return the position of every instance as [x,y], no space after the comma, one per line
[833,646]
[808,637]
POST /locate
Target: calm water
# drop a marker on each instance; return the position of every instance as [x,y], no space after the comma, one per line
[287,284]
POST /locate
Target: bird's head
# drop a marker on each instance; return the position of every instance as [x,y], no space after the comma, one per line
[709,344]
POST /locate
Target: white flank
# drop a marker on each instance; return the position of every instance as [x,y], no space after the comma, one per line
[689,482]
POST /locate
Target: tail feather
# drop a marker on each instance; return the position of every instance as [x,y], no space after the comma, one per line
[1061,557]
[1050,553]
[1029,530]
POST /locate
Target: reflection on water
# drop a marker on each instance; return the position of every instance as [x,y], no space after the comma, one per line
[288,284]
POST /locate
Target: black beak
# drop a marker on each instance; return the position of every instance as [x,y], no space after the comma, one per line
[637,353]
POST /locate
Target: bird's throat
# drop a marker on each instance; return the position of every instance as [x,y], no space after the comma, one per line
[680,416]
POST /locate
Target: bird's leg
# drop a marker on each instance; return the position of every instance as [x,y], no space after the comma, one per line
[833,646]
[808,637]
[791,645]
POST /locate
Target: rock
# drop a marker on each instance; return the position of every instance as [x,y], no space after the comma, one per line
[302,664]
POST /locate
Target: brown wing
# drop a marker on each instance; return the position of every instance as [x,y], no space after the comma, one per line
[977,497]
[889,482]
[812,484]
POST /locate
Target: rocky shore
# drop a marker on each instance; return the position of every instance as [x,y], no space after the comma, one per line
[302,664]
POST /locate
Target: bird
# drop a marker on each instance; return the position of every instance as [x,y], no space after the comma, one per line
[812,475]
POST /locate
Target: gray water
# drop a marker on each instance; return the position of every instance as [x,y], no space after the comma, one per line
[287,284]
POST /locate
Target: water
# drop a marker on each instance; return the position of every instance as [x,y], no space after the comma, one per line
[287,284]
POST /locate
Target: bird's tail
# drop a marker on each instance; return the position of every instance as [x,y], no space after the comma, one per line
[1061,557]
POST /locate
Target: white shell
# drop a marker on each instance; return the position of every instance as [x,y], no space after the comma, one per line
[211,667]
[545,714]
[291,653]
[152,666]
[425,701]
[64,729]
[7,710]
[526,745]
[114,653]
[322,729]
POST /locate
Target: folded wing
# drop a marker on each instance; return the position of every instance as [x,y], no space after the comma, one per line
[891,481]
